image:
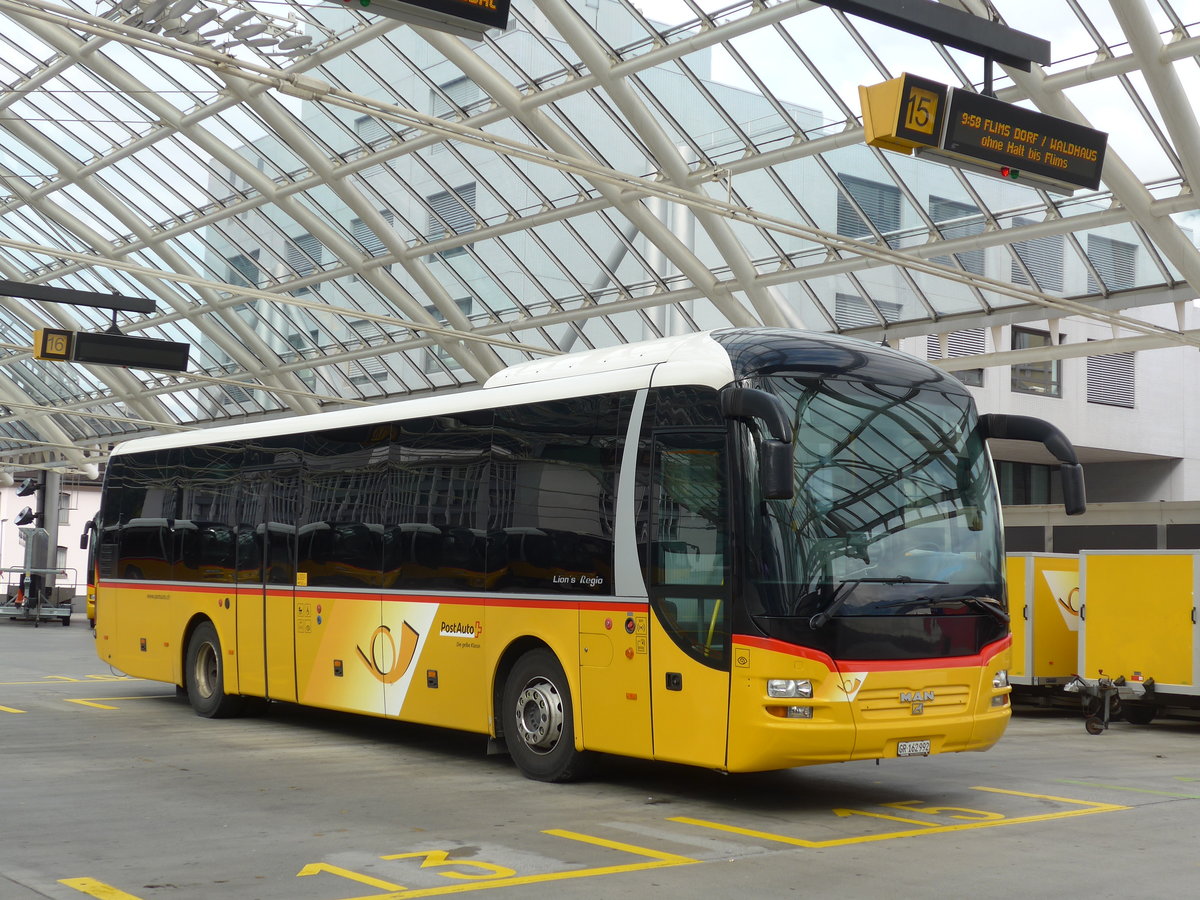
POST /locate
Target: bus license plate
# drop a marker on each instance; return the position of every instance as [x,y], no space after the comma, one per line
[912,748]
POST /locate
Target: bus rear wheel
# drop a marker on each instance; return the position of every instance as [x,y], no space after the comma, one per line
[204,672]
[539,725]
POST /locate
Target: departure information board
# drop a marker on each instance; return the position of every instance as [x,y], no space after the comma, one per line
[468,18]
[910,114]
[984,128]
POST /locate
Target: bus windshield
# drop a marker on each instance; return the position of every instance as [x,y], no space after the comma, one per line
[894,513]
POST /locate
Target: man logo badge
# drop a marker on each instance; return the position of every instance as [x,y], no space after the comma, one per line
[917,699]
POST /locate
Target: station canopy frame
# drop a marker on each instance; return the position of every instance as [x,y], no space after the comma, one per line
[333,208]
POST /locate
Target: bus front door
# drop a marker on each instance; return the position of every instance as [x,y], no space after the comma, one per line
[688,587]
[251,634]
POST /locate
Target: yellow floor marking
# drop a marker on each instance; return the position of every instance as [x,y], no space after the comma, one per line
[315,868]
[1087,807]
[971,815]
[658,860]
[99,705]
[59,679]
[843,813]
[1118,787]
[671,859]
[1102,807]
[9,709]
[97,889]
[441,859]
[93,703]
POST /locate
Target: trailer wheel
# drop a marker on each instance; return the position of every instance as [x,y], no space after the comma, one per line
[204,671]
[1094,725]
[539,726]
[1139,713]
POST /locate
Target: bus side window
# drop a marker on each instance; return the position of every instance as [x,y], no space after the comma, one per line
[688,567]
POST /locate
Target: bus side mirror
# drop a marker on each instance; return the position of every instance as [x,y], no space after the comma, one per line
[775,453]
[775,470]
[1027,428]
[1074,494]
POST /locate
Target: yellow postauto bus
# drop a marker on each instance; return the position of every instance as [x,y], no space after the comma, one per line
[748,549]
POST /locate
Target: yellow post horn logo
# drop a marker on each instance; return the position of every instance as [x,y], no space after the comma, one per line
[391,669]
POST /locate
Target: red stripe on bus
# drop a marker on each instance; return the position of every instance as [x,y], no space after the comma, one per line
[982,658]
[878,665]
[779,646]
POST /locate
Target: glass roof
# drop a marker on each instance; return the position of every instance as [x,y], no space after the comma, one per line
[333,208]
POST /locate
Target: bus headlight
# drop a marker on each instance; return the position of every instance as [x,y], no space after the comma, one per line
[1000,679]
[800,688]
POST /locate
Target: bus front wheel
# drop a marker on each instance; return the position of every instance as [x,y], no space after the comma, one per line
[539,726]
[204,672]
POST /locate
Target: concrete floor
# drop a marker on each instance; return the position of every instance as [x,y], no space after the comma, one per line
[113,789]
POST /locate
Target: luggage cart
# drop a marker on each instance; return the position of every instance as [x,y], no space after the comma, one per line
[1101,698]
[30,600]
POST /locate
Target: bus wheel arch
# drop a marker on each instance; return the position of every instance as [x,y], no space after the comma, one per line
[204,673]
[536,713]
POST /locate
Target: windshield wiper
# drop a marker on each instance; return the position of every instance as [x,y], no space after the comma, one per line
[846,588]
[991,607]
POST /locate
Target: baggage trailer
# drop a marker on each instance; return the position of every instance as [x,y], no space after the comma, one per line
[1139,644]
[1043,602]
[29,601]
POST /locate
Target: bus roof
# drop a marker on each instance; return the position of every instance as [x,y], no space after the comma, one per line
[687,359]
[696,351]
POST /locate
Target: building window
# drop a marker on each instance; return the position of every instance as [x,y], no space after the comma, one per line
[880,202]
[369,129]
[452,96]
[1110,379]
[957,220]
[968,342]
[367,369]
[371,242]
[303,345]
[1114,261]
[304,257]
[1042,256]
[451,212]
[851,311]
[436,359]
[244,270]
[1023,484]
[1036,377]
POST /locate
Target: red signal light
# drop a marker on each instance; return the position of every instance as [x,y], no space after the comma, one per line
[1009,172]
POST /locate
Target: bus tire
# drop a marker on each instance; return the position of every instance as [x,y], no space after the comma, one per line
[204,672]
[538,717]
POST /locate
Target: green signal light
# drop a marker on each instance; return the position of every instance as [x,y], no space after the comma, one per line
[1010,173]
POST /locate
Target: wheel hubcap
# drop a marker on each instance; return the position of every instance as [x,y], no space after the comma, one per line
[539,715]
[206,670]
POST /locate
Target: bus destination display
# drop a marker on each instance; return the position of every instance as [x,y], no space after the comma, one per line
[983,128]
